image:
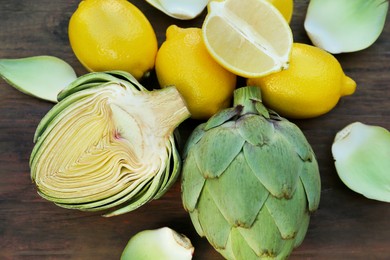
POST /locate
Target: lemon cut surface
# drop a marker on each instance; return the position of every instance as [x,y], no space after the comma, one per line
[249,37]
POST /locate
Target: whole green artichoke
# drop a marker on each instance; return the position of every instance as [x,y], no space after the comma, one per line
[250,181]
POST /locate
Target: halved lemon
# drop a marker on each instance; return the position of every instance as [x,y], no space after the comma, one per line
[248,37]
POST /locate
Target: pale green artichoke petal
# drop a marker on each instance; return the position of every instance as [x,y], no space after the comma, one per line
[221,117]
[165,242]
[195,179]
[240,247]
[282,180]
[264,236]
[249,126]
[227,252]
[310,178]
[246,193]
[218,229]
[193,139]
[295,136]
[302,230]
[195,221]
[38,76]
[287,213]
[217,150]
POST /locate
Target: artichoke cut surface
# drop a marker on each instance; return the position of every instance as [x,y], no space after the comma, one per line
[250,181]
[108,142]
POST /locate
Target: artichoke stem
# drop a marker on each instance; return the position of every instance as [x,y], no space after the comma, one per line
[171,108]
[250,98]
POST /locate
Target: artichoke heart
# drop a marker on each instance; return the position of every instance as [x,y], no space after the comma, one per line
[250,180]
[108,143]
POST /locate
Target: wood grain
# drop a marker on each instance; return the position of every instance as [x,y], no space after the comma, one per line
[346,226]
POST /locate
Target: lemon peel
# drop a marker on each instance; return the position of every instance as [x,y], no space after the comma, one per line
[183,10]
[312,86]
[183,61]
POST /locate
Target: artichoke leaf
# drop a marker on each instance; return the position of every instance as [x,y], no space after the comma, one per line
[362,159]
[217,150]
[195,221]
[223,116]
[264,236]
[240,247]
[246,195]
[193,139]
[195,178]
[294,135]
[167,244]
[218,229]
[287,213]
[182,10]
[249,126]
[39,76]
[282,180]
[311,181]
[300,236]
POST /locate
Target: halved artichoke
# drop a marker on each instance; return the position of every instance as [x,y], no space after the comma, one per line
[250,181]
[108,143]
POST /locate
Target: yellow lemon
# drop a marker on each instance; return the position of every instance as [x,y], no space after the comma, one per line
[183,61]
[310,87]
[112,35]
[250,38]
[285,7]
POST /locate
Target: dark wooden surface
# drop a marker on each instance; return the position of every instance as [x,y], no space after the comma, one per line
[346,226]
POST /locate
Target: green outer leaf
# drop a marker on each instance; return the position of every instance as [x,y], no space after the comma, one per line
[39,76]
[238,193]
[194,215]
[217,149]
[302,230]
[311,181]
[297,139]
[276,165]
[193,139]
[255,129]
[288,213]
[213,223]
[264,237]
[222,116]
[240,247]
[192,182]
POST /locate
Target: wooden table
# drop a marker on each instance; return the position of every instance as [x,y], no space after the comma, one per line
[346,226]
